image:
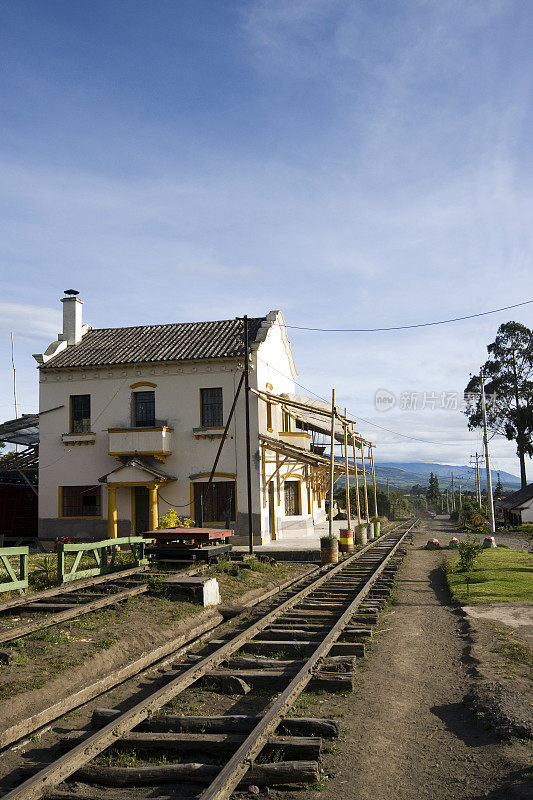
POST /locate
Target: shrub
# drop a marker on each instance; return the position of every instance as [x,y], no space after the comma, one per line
[172,520]
[469,549]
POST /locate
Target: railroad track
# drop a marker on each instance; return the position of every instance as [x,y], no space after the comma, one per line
[309,639]
[59,604]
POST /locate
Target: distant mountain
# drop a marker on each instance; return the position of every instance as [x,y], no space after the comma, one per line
[404,474]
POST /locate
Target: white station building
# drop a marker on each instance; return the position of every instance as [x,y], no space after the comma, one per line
[130,420]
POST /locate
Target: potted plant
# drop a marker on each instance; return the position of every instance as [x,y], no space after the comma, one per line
[329,549]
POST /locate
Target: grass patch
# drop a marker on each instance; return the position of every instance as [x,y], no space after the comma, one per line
[518,656]
[500,575]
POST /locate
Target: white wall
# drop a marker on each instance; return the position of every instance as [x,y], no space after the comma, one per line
[178,406]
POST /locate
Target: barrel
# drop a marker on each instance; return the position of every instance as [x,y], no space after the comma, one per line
[360,534]
[329,550]
[370,531]
[377,528]
[346,541]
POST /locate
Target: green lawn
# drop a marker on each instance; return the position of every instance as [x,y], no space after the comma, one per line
[500,575]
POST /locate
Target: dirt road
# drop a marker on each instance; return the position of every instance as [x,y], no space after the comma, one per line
[408,735]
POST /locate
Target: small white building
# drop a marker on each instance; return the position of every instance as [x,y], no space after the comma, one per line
[131,420]
[517,508]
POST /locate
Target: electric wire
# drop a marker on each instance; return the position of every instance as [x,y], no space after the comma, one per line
[363,419]
[410,326]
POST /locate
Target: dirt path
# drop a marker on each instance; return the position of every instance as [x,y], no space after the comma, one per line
[407,734]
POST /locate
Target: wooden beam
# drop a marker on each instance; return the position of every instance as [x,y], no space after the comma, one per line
[370,450]
[347,475]
[367,518]
[358,503]
[332,463]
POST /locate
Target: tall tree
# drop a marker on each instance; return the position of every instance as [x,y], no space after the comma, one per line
[508,375]
[433,491]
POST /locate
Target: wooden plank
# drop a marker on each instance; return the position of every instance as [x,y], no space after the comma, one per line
[18,601]
[237,766]
[53,774]
[279,773]
[35,625]
[231,723]
[42,718]
[299,747]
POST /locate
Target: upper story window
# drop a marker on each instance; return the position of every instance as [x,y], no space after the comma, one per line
[80,413]
[143,409]
[211,411]
[269,417]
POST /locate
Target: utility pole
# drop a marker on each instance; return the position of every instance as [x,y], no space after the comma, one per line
[14,382]
[387,488]
[490,499]
[478,486]
[453,495]
[447,500]
[248,453]
[460,495]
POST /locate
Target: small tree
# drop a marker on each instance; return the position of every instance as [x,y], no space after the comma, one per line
[433,492]
[469,549]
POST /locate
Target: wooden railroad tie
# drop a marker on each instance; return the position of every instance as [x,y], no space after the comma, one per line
[232,723]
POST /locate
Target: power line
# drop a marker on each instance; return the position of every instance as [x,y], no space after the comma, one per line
[363,419]
[414,325]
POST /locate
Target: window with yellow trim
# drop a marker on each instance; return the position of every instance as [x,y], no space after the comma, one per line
[218,502]
[292,498]
[269,417]
[81,501]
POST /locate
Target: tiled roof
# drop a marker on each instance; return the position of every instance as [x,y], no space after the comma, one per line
[517,498]
[180,341]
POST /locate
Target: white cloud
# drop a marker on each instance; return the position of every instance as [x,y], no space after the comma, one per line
[29,321]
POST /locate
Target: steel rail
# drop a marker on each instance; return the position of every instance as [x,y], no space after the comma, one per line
[237,766]
[8,634]
[161,655]
[75,586]
[55,773]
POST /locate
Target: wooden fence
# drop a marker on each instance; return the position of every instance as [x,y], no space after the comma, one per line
[15,582]
[104,554]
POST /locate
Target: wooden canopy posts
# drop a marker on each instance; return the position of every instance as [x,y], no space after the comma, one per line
[371,453]
[346,474]
[367,518]
[319,472]
[358,502]
[332,462]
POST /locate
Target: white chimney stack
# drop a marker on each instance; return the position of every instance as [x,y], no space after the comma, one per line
[72,322]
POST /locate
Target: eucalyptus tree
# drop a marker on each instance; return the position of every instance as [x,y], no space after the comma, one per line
[508,374]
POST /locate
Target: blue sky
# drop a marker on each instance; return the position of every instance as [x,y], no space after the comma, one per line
[354,163]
